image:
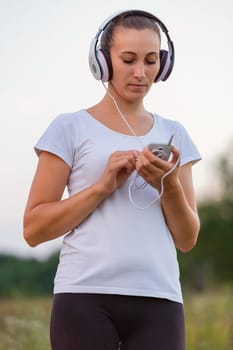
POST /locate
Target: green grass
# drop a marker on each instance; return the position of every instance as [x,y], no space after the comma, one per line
[24,323]
[209,320]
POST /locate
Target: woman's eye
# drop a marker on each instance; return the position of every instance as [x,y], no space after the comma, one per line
[127,61]
[130,61]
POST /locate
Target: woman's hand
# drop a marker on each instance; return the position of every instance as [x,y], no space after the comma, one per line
[178,199]
[152,168]
[120,166]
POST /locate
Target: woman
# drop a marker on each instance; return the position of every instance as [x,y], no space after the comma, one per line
[117,282]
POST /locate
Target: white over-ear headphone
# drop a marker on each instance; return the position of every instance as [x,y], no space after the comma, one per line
[100,61]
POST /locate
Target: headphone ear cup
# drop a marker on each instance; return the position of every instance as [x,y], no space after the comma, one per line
[105,65]
[93,61]
[165,66]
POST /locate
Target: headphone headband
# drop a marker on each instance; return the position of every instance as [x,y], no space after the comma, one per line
[100,62]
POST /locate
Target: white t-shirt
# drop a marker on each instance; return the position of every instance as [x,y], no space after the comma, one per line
[118,249]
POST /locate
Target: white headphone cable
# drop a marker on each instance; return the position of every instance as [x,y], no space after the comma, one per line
[133,181]
[123,117]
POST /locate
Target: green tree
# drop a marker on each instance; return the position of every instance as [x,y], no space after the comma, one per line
[212,259]
[224,169]
[26,276]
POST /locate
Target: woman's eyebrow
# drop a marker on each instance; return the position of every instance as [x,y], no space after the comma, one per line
[128,52]
[134,53]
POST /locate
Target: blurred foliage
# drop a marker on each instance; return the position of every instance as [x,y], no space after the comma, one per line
[211,261]
[24,323]
[26,276]
[224,169]
[209,319]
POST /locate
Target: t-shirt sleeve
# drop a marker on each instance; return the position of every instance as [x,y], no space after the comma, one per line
[58,139]
[188,149]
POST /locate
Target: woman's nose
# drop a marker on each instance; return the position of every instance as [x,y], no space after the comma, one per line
[139,70]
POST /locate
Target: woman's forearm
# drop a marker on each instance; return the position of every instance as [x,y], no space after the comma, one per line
[182,219]
[51,220]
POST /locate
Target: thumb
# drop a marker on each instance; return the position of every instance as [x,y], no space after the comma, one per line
[175,156]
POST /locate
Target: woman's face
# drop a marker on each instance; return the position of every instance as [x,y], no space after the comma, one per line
[135,61]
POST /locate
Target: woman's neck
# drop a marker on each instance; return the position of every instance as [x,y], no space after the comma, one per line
[124,118]
[113,102]
[119,114]
[130,110]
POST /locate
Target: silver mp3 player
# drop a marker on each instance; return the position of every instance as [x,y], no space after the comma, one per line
[161,150]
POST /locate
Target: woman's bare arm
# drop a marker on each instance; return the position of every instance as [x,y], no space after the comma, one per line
[47,216]
[179,206]
[178,199]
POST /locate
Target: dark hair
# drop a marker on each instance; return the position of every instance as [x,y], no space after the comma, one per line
[139,22]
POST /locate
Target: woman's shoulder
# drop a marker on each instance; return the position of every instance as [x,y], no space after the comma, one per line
[181,138]
[169,126]
[70,117]
[166,123]
[164,120]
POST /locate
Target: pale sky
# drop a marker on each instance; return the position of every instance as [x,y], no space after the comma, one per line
[44,72]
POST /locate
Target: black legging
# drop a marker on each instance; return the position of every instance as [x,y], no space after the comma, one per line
[103,321]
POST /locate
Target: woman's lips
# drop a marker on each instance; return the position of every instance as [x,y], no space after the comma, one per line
[138,86]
